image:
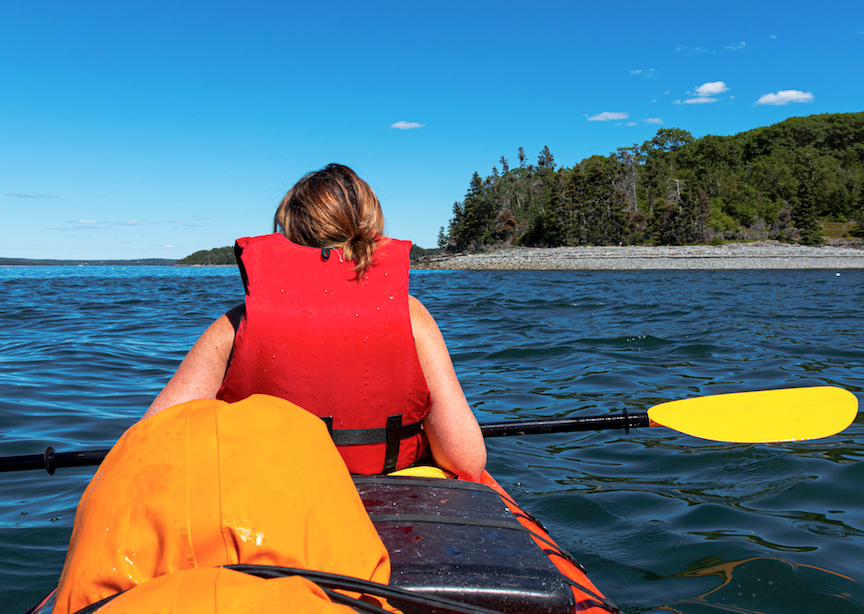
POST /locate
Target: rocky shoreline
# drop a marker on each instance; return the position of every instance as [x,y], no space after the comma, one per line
[761,255]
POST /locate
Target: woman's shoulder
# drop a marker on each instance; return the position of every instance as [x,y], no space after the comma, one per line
[422,321]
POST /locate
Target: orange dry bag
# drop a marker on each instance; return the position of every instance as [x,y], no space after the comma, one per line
[208,483]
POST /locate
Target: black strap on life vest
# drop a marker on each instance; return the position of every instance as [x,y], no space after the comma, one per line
[391,435]
[328,420]
[394,438]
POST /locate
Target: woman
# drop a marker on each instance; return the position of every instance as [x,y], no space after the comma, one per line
[328,324]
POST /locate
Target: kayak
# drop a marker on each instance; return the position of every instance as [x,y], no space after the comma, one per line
[469,542]
[451,540]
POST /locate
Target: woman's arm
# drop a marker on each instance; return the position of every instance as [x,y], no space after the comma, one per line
[200,374]
[454,435]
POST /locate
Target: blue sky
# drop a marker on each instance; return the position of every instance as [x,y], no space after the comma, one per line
[155,129]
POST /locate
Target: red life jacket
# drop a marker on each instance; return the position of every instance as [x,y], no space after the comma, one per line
[339,348]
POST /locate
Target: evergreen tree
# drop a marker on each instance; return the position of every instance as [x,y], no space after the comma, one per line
[779,181]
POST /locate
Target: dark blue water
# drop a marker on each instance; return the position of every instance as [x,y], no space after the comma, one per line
[662,521]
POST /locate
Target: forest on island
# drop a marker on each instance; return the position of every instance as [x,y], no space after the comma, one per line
[210,257]
[777,182]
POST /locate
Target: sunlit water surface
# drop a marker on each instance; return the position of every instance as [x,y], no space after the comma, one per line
[662,521]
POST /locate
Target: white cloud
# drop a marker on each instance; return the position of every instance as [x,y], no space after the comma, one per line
[737,46]
[785,97]
[652,120]
[645,73]
[403,125]
[18,195]
[632,124]
[711,89]
[774,36]
[608,116]
[686,50]
[705,93]
[121,223]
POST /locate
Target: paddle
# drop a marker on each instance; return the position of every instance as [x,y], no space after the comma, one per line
[52,460]
[793,414]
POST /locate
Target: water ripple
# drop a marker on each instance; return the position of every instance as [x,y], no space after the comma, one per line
[661,520]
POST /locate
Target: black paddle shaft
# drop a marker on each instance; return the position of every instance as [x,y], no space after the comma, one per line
[624,421]
[52,460]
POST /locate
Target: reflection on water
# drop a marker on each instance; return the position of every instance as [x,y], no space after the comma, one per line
[662,521]
[751,585]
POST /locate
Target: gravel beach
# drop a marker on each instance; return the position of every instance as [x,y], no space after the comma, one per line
[635,257]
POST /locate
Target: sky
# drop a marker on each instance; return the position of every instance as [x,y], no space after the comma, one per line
[155,129]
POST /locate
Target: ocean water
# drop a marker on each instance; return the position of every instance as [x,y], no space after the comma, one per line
[662,521]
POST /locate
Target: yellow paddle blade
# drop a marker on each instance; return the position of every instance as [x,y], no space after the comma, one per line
[792,414]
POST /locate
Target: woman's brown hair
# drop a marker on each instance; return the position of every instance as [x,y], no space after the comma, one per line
[333,207]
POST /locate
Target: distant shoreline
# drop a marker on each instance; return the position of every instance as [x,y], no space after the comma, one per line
[729,256]
[7,262]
